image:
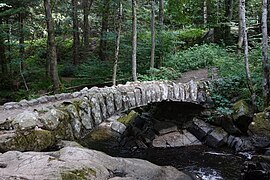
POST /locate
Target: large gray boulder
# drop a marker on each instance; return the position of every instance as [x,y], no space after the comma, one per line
[81,163]
[176,139]
[217,137]
[200,129]
[242,115]
[25,120]
[260,125]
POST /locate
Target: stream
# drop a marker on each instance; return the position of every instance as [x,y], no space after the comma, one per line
[204,162]
[200,160]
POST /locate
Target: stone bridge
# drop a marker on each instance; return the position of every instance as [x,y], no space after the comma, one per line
[73,115]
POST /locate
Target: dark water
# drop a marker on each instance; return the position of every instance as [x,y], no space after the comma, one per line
[203,161]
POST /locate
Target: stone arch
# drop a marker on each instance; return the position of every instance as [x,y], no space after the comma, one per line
[78,116]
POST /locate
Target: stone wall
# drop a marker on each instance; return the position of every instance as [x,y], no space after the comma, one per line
[138,93]
[75,118]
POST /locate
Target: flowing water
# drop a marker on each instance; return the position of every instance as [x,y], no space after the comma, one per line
[204,162]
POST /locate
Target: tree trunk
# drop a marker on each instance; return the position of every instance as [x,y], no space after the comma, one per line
[240,32]
[22,49]
[86,27]
[152,63]
[120,11]
[244,32]
[265,66]
[205,13]
[161,13]
[134,40]
[225,27]
[103,49]
[76,38]
[51,46]
[229,10]
[3,59]
[161,28]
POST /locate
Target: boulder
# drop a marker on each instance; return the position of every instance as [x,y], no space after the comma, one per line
[267,112]
[216,138]
[81,163]
[129,118]
[258,168]
[260,142]
[52,118]
[164,127]
[176,139]
[228,125]
[260,125]
[26,120]
[200,129]
[118,127]
[241,115]
[240,144]
[267,152]
[34,140]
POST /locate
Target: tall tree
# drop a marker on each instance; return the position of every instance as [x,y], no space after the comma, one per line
[51,46]
[86,27]
[76,35]
[3,59]
[103,49]
[152,63]
[134,40]
[161,28]
[240,32]
[228,10]
[245,38]
[22,49]
[265,65]
[161,12]
[118,38]
[205,12]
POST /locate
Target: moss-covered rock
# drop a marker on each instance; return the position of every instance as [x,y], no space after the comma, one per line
[64,131]
[260,125]
[79,174]
[53,118]
[267,112]
[99,134]
[129,118]
[242,116]
[35,140]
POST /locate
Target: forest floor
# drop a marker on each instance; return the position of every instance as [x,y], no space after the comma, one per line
[196,75]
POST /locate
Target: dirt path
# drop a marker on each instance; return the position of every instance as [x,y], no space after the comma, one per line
[196,75]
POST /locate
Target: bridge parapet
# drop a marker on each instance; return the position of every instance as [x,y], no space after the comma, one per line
[137,93]
[75,117]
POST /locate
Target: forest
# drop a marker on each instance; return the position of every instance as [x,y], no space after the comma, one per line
[60,46]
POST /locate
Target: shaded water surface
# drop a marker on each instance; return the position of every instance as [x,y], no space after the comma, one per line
[205,162]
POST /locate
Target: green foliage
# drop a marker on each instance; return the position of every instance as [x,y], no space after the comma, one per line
[191,35]
[172,41]
[195,57]
[233,83]
[162,73]
[92,72]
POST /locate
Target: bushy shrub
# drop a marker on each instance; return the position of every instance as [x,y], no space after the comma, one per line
[162,73]
[195,57]
[68,70]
